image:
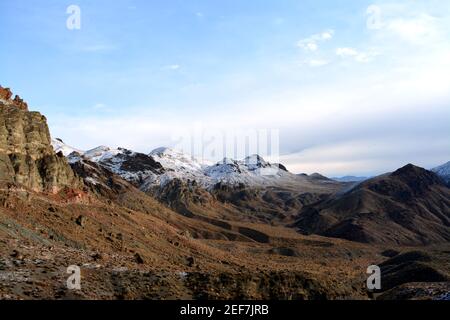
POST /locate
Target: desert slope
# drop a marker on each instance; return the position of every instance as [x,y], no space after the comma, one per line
[410,207]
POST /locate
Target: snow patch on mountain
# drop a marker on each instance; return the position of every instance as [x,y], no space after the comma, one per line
[101,153]
[177,165]
[163,165]
[176,160]
[253,170]
[443,171]
[132,166]
[60,146]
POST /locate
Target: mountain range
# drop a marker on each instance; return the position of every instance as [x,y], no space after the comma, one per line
[165,226]
[164,164]
[410,206]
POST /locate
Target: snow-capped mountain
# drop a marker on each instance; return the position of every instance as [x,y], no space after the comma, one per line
[101,153]
[134,167]
[177,165]
[60,146]
[444,172]
[176,160]
[145,171]
[164,165]
[253,170]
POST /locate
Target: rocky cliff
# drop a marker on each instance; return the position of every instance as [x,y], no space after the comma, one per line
[5,98]
[27,157]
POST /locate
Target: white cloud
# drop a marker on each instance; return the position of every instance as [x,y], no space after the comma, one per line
[362,57]
[411,23]
[327,35]
[343,52]
[311,46]
[363,155]
[315,62]
[140,133]
[413,30]
[312,43]
[173,67]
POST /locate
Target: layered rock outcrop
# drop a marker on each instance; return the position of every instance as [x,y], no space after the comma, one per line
[5,94]
[27,157]
[5,98]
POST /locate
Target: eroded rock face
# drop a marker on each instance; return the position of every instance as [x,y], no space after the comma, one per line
[5,98]
[19,103]
[5,94]
[26,155]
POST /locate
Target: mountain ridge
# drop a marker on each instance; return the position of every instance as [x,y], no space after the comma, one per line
[444,172]
[253,170]
[410,206]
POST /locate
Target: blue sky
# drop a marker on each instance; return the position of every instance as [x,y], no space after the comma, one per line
[355,87]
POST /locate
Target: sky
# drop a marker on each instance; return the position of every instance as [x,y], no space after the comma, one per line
[352,87]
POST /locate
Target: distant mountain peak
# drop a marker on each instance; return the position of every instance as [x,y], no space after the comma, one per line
[165,150]
[414,175]
[445,166]
[350,179]
[408,168]
[318,176]
[99,148]
[409,206]
[254,158]
[443,172]
[59,146]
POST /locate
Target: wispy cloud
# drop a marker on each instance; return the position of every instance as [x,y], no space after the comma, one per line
[315,62]
[172,67]
[414,30]
[411,23]
[335,159]
[358,56]
[311,43]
